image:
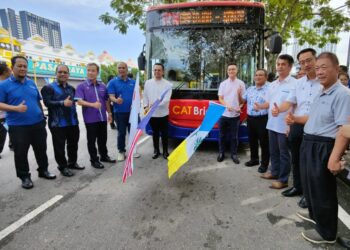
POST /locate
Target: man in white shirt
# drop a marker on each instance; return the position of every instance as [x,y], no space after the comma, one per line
[307,87]
[278,92]
[229,93]
[159,122]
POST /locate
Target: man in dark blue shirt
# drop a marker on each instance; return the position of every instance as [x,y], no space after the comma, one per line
[63,120]
[20,97]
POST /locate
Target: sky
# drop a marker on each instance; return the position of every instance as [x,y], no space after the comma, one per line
[81,28]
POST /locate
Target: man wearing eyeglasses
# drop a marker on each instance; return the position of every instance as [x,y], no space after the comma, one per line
[301,98]
[58,97]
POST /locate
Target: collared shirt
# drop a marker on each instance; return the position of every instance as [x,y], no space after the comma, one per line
[258,95]
[228,90]
[304,94]
[14,92]
[277,93]
[53,96]
[124,89]
[330,109]
[90,92]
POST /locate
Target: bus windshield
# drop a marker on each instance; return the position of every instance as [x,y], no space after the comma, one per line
[197,58]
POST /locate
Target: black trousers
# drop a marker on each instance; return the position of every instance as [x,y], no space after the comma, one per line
[22,137]
[258,134]
[3,133]
[159,127]
[295,139]
[320,187]
[97,131]
[228,127]
[62,137]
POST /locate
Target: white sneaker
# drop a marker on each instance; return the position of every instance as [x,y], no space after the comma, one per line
[120,157]
[137,155]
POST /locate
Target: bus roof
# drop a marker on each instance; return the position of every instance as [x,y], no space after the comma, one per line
[206,4]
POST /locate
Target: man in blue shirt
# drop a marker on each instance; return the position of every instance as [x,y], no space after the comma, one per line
[63,120]
[120,91]
[20,97]
[256,121]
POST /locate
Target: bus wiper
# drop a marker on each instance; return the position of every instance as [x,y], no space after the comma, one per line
[180,86]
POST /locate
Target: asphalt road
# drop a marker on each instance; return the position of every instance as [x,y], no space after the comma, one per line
[206,205]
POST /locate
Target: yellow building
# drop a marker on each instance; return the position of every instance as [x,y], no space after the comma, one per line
[5,46]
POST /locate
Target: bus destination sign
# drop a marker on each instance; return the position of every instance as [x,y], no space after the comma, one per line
[228,16]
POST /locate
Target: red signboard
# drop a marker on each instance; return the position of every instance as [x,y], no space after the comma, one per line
[189,113]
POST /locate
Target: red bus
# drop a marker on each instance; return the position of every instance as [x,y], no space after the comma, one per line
[195,41]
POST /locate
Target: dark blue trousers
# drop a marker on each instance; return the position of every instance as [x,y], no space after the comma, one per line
[279,155]
[122,120]
[228,127]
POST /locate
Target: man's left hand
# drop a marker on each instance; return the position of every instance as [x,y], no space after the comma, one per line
[335,166]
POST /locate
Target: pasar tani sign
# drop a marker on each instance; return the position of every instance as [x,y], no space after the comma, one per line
[49,69]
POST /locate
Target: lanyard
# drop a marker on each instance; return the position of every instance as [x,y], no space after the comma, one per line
[98,99]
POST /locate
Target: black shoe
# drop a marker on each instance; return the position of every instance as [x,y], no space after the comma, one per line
[235,159]
[156,155]
[27,183]
[262,169]
[221,157]
[75,166]
[303,203]
[97,164]
[251,163]
[165,155]
[47,175]
[107,159]
[65,172]
[291,192]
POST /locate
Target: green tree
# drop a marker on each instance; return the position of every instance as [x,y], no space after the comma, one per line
[108,70]
[287,17]
[283,16]
[111,70]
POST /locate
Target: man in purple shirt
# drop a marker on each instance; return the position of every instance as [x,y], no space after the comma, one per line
[92,96]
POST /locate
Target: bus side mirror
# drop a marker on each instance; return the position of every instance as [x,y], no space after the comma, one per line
[141,60]
[275,43]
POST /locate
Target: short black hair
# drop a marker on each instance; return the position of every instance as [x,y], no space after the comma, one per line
[14,59]
[232,63]
[311,50]
[331,56]
[110,77]
[159,64]
[4,68]
[343,68]
[271,76]
[93,64]
[287,57]
[60,65]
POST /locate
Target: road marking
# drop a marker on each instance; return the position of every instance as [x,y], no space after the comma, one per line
[143,140]
[203,169]
[257,199]
[14,226]
[344,216]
